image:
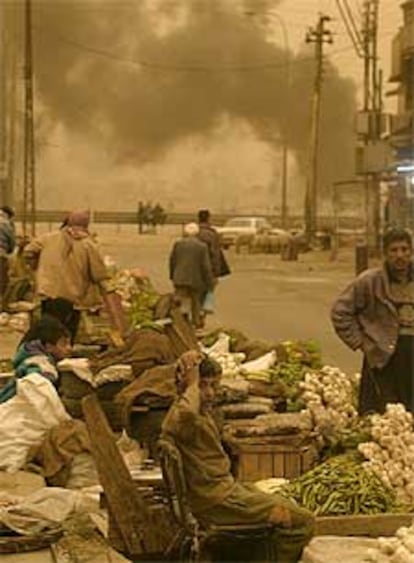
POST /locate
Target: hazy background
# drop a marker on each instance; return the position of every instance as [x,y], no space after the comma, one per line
[185,102]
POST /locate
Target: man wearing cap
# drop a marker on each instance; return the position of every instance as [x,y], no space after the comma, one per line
[191,272]
[71,273]
[7,245]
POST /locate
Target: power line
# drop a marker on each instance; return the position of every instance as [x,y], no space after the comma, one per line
[355,39]
[162,67]
[352,22]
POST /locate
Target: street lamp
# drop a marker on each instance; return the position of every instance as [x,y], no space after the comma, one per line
[285,150]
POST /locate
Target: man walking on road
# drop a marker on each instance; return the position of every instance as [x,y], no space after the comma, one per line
[191,272]
[375,314]
[211,238]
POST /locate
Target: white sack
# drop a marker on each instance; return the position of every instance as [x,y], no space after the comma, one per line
[26,418]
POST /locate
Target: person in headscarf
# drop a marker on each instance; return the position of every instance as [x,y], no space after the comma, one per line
[71,273]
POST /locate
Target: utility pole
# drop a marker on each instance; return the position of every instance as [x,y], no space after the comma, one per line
[3,108]
[320,36]
[373,110]
[29,193]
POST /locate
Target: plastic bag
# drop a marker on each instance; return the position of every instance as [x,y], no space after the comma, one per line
[209,302]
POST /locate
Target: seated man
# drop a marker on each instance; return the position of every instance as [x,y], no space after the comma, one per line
[214,495]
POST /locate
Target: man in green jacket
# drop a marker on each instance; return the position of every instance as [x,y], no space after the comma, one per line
[214,495]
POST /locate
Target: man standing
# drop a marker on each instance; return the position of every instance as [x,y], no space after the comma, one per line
[215,497]
[191,272]
[7,245]
[375,314]
[71,274]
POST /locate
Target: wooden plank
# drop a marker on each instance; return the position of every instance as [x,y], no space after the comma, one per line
[83,550]
[278,466]
[292,464]
[125,504]
[184,330]
[265,463]
[41,556]
[362,525]
[249,467]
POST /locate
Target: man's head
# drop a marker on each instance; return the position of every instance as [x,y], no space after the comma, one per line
[191,230]
[209,379]
[52,334]
[398,250]
[203,216]
[7,210]
[79,218]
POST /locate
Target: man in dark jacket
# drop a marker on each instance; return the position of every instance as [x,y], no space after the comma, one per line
[375,314]
[191,272]
[7,245]
[211,238]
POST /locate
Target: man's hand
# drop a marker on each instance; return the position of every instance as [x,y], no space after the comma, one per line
[281,516]
[187,370]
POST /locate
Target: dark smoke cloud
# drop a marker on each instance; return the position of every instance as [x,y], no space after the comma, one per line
[216,61]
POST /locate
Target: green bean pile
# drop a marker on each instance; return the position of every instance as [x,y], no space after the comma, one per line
[341,486]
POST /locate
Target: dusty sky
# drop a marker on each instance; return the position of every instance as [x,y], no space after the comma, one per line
[230,165]
[298,14]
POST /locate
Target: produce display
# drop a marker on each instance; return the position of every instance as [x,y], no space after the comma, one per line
[341,486]
[397,549]
[139,297]
[220,352]
[330,397]
[390,454]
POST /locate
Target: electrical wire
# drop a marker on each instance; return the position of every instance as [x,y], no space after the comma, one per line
[156,66]
[354,39]
[352,21]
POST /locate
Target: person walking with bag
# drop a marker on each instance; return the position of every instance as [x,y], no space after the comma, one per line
[209,235]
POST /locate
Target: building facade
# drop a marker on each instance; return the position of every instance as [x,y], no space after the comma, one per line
[401,202]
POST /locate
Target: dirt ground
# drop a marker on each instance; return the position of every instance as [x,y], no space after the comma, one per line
[264,297]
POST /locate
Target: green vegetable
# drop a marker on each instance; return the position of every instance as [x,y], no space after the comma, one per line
[341,486]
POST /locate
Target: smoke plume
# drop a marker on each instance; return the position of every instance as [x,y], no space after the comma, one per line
[140,76]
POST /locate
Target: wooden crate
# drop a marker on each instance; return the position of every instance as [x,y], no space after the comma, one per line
[258,461]
[373,525]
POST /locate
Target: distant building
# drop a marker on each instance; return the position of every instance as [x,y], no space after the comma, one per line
[401,206]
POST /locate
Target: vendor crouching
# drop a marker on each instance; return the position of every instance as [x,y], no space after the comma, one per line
[34,425]
[215,497]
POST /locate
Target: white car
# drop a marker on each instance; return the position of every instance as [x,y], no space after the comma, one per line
[238,226]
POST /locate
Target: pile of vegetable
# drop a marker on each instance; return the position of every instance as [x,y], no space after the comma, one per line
[220,352]
[330,397]
[139,297]
[341,486]
[397,549]
[390,454]
[294,358]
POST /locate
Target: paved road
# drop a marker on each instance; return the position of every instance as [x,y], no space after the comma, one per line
[264,297]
